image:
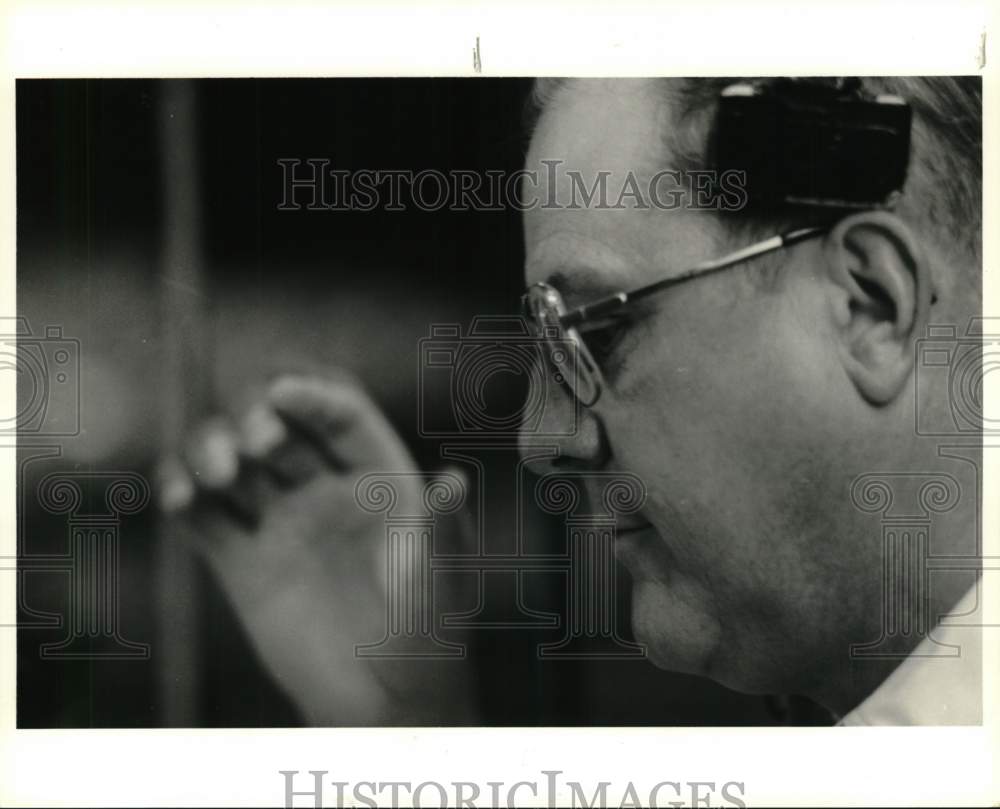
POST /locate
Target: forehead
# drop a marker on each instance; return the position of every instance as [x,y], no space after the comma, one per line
[618,127]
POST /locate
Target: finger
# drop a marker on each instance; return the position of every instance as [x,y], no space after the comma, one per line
[213,458]
[175,490]
[348,425]
[212,455]
[261,431]
[289,455]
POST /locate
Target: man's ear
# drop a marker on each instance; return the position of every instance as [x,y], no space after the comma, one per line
[876,261]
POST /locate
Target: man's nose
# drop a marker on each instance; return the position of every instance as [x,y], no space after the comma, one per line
[558,433]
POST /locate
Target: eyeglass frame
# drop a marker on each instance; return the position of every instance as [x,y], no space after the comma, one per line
[569,321]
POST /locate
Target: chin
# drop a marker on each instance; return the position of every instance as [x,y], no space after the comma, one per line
[681,634]
[675,636]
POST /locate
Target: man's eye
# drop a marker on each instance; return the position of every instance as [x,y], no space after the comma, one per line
[602,341]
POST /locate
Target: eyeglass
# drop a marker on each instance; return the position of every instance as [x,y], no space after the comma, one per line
[560,329]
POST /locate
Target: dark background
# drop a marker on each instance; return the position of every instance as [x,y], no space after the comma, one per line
[282,289]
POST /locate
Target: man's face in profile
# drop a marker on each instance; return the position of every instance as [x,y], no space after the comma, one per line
[724,396]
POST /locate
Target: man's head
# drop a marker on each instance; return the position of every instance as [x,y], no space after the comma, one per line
[748,401]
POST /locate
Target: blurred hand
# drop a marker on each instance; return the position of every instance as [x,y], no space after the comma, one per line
[270,503]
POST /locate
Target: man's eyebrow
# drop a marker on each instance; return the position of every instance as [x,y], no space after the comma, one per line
[582,285]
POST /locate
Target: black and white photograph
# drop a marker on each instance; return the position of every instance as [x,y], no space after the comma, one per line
[476,403]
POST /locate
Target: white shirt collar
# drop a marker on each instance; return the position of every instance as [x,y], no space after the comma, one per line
[940,682]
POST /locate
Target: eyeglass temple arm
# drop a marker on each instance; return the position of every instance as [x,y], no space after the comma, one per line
[608,305]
